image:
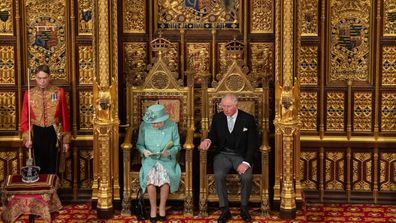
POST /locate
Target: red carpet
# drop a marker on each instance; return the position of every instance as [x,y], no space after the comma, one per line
[363,213]
[327,213]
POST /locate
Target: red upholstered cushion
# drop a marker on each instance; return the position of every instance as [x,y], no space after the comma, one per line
[46,182]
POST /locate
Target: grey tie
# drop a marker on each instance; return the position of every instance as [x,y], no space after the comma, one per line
[230,123]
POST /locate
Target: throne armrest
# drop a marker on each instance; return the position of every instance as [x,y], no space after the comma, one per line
[127,144]
[126,147]
[189,145]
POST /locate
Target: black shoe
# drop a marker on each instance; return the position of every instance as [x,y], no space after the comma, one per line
[153,219]
[224,216]
[245,214]
[161,218]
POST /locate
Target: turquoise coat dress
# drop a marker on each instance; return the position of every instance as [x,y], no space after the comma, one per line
[155,140]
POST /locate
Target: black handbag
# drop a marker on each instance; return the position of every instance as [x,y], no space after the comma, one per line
[139,207]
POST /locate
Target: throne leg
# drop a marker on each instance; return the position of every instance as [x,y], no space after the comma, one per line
[126,206]
[188,205]
[203,206]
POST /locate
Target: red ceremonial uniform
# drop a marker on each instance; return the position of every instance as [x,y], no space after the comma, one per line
[48,107]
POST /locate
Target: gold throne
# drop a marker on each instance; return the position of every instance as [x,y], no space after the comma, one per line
[252,100]
[160,86]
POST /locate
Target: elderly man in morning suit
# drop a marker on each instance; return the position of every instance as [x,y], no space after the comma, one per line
[234,135]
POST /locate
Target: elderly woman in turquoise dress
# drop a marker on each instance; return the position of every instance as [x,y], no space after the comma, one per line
[158,142]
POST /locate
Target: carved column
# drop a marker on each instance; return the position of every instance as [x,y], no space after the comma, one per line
[105,120]
[287,121]
[288,193]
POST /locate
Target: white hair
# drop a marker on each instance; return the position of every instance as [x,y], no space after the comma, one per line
[232,97]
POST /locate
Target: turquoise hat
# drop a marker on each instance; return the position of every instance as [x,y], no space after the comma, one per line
[155,113]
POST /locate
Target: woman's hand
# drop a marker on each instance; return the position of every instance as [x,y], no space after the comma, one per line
[165,153]
[146,153]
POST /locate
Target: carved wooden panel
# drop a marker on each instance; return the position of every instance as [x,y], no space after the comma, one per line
[67,177]
[262,16]
[362,171]
[309,18]
[387,167]
[86,110]
[85,17]
[388,112]
[46,29]
[347,71]
[349,40]
[7,17]
[86,65]
[335,120]
[8,164]
[86,168]
[308,68]
[135,62]
[262,60]
[362,111]
[172,57]
[309,110]
[8,113]
[134,16]
[7,64]
[309,170]
[389,18]
[198,59]
[389,66]
[334,171]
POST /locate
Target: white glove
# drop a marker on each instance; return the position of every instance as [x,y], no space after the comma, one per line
[146,153]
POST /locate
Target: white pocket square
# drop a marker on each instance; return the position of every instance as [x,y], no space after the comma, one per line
[244,129]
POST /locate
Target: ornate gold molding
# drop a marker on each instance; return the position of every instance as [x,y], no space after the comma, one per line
[198,14]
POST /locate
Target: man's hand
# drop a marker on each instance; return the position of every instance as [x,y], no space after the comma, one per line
[65,147]
[242,168]
[146,153]
[28,144]
[205,144]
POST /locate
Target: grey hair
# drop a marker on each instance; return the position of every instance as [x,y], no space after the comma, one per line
[233,98]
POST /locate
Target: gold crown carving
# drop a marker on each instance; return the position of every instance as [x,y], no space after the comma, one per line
[235,48]
[160,44]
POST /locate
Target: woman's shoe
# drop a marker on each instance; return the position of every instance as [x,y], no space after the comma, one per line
[153,219]
[162,218]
